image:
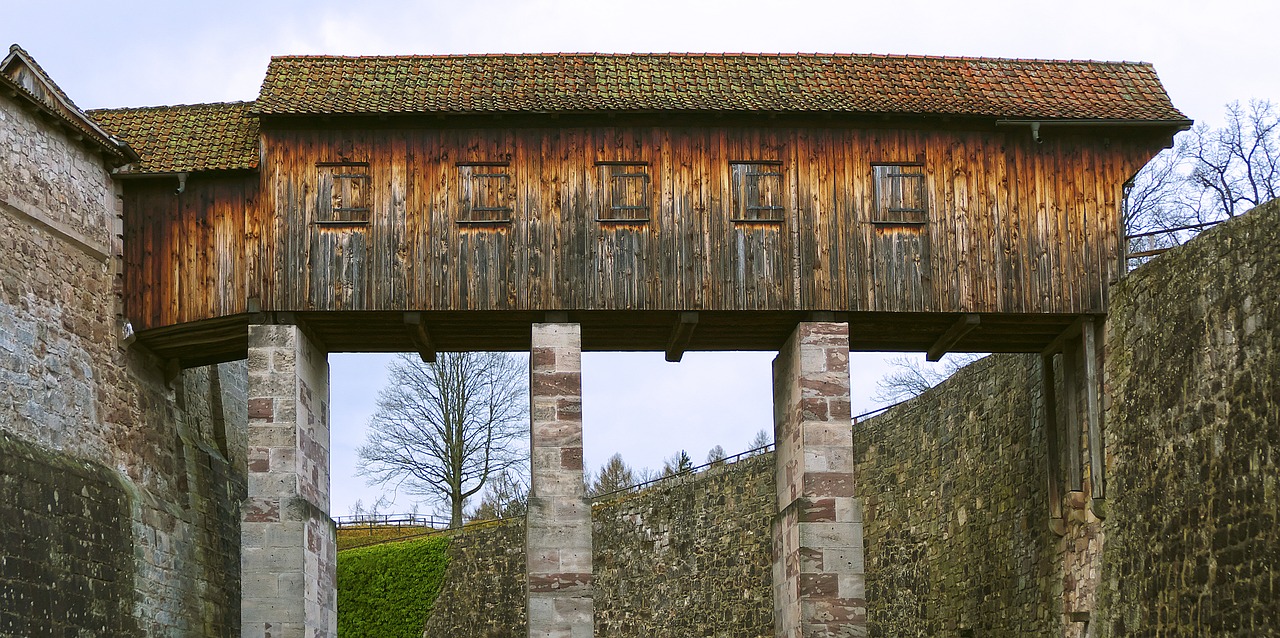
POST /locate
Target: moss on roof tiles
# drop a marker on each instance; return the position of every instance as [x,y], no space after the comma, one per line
[315,85]
[186,138]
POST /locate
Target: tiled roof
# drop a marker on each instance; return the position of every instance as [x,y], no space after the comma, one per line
[982,87]
[195,137]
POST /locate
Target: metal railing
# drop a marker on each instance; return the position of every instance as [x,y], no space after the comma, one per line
[1154,244]
[728,460]
[391,520]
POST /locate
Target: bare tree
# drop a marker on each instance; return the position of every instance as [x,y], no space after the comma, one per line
[716,454]
[678,463]
[504,497]
[1236,167]
[613,476]
[911,376]
[1211,174]
[444,429]
[761,440]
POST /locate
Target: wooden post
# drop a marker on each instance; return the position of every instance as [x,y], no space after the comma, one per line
[1093,385]
[1070,385]
[1049,394]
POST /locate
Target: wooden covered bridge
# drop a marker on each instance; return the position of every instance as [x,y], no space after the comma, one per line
[808,204]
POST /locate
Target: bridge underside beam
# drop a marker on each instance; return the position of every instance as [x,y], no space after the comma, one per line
[223,339]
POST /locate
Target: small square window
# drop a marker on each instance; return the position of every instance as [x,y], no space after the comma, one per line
[900,193]
[486,193]
[757,192]
[626,192]
[344,193]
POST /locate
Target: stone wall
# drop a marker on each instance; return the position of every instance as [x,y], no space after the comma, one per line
[49,174]
[1193,535]
[61,524]
[71,390]
[483,593]
[690,557]
[956,513]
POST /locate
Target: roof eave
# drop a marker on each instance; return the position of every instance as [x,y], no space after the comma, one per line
[1181,124]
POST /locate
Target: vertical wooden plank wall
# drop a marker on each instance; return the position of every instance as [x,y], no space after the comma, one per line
[185,257]
[1014,226]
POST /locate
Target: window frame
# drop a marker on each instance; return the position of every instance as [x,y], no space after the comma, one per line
[739,192]
[467,180]
[609,191]
[899,215]
[339,180]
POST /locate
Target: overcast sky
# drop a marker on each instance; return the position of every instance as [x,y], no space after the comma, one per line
[147,53]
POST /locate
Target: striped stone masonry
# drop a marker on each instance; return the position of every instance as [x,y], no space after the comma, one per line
[559,518]
[288,548]
[818,575]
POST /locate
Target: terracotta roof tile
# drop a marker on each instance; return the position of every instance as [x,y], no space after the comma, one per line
[985,87]
[195,137]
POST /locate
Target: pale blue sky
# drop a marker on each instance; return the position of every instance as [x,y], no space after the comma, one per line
[145,53]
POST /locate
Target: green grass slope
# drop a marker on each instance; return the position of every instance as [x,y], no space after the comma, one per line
[386,591]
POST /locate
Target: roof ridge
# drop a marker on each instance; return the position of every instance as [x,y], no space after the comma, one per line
[162,107]
[710,54]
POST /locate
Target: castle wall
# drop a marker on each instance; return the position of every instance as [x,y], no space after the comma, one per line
[956,512]
[159,461]
[690,557]
[1193,439]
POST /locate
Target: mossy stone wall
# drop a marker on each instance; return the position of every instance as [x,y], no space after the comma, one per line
[1193,440]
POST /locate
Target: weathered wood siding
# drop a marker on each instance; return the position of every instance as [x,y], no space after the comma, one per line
[185,252]
[1013,226]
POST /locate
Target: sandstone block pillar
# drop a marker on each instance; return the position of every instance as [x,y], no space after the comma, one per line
[818,577]
[288,551]
[559,520]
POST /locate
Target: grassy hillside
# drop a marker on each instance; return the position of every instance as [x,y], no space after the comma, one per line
[357,536]
[386,591]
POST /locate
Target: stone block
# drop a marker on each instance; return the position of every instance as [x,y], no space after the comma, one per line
[853,586]
[826,535]
[849,509]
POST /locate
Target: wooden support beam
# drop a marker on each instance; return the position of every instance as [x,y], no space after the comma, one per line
[1093,387]
[963,326]
[681,333]
[1049,393]
[417,329]
[1059,342]
[1071,382]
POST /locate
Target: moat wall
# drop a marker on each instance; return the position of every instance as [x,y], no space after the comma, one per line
[1192,541]
[690,557]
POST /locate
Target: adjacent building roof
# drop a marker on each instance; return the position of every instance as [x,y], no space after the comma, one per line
[195,137]
[867,84]
[26,80]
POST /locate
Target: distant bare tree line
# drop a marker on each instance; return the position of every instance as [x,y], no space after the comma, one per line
[1210,174]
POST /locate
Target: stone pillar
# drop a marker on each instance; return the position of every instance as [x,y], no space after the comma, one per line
[818,578]
[287,540]
[559,520]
